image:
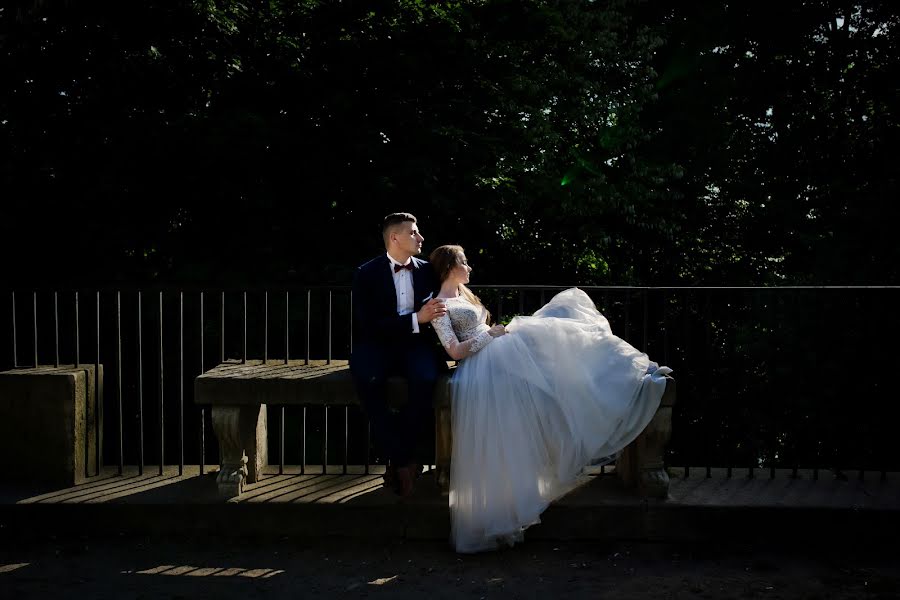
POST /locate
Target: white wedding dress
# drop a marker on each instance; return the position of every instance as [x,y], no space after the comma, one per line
[532,408]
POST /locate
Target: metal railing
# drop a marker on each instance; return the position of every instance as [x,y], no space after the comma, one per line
[768,378]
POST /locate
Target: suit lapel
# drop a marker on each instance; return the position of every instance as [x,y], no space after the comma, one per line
[389,294]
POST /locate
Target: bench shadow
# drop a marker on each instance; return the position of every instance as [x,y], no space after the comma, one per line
[172,490]
[321,489]
[15,491]
[274,489]
[358,490]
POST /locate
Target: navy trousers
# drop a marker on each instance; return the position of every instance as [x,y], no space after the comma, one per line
[371,364]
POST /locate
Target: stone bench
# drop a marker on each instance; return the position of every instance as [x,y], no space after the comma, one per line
[239,393]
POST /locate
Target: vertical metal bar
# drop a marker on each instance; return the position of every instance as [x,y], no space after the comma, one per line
[773,423]
[281,410]
[706,346]
[368,445]
[795,458]
[77,334]
[665,324]
[646,311]
[119,380]
[180,383]
[265,327]
[325,440]
[140,388]
[499,316]
[162,437]
[222,330]
[55,329]
[308,305]
[543,296]
[98,400]
[521,301]
[14,336]
[202,370]
[627,317]
[303,441]
[244,337]
[34,325]
[346,437]
[202,408]
[87,425]
[287,326]
[281,443]
[685,353]
[329,327]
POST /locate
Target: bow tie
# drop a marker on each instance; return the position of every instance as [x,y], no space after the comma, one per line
[408,266]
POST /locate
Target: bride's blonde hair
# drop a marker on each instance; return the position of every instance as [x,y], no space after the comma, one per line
[444,259]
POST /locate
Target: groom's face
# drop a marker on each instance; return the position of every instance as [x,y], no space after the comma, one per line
[408,238]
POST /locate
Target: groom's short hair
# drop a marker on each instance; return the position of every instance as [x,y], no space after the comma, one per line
[391,221]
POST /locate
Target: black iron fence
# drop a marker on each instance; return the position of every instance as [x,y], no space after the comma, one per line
[788,377]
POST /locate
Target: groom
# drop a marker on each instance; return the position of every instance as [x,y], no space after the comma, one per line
[392,306]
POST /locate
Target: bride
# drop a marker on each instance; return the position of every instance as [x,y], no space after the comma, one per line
[533,403]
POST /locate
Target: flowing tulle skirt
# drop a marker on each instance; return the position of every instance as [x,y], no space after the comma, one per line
[533,408]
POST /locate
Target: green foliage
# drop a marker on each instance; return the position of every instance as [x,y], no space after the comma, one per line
[780,115]
[579,142]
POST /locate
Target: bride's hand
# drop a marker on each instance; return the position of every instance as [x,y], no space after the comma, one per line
[497,331]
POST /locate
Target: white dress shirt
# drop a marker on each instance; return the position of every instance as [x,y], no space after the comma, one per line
[403,286]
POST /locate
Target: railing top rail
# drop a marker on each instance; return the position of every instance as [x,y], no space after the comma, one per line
[689,287]
[505,286]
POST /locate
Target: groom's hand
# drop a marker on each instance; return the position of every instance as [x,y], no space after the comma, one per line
[431,310]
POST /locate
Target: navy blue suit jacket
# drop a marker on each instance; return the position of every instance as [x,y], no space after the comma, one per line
[375,318]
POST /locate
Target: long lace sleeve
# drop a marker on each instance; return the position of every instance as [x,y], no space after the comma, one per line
[480,341]
[447,333]
[444,329]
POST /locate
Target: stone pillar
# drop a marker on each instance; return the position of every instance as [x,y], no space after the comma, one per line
[243,446]
[641,464]
[49,423]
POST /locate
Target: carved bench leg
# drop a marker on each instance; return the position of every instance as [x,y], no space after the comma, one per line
[255,433]
[641,464]
[443,444]
[243,446]
[652,480]
[232,460]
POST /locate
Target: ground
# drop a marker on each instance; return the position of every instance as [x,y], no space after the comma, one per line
[229,567]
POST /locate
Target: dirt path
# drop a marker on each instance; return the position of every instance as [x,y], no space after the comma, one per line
[228,568]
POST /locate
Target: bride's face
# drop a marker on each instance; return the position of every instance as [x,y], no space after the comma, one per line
[460,273]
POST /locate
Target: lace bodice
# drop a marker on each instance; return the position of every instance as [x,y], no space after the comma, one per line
[462,322]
